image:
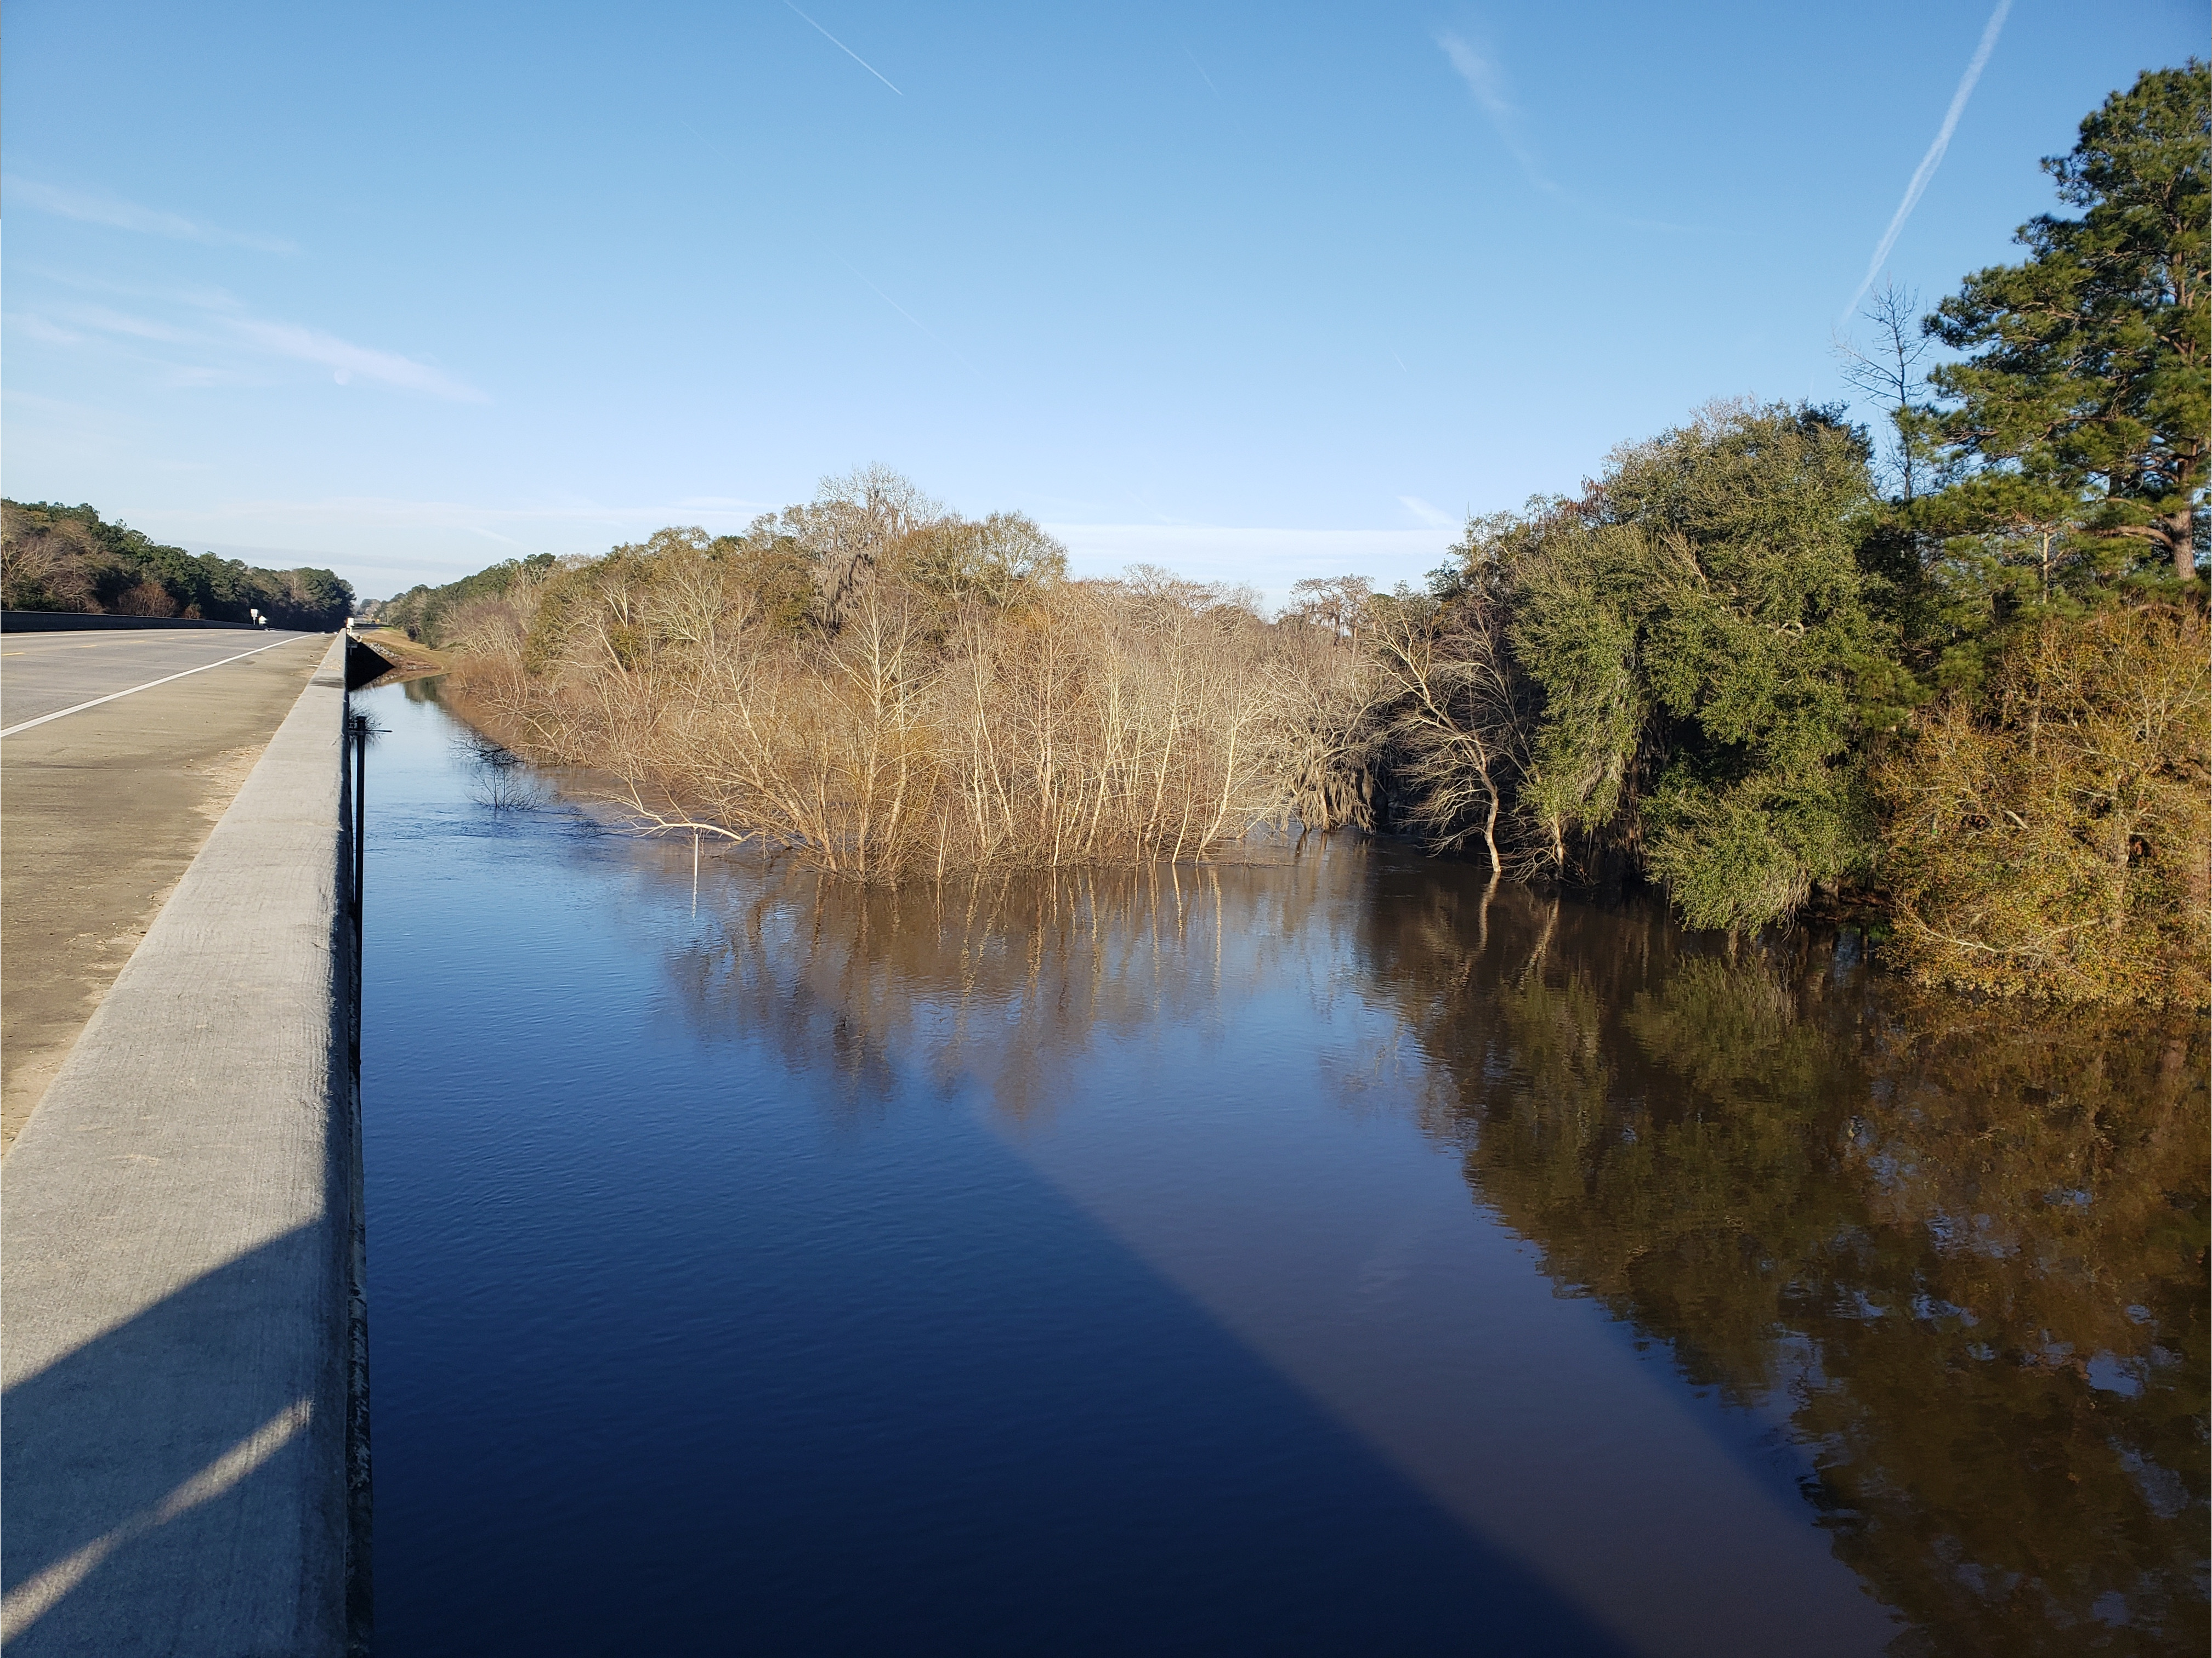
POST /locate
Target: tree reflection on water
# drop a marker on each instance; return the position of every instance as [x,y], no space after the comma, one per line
[1001,981]
[1962,1246]
[1957,1251]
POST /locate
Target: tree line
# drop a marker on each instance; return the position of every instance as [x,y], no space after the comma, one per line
[54,557]
[885,689]
[1960,676]
[421,612]
[1956,676]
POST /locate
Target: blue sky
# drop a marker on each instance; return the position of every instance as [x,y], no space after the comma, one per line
[1256,292]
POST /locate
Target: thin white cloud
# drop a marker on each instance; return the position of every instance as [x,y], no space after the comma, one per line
[1933,159]
[88,208]
[107,321]
[39,329]
[331,517]
[1215,90]
[221,323]
[345,359]
[197,297]
[195,375]
[1487,82]
[1433,517]
[506,541]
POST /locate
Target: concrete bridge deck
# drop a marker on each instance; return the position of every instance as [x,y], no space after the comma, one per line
[183,1361]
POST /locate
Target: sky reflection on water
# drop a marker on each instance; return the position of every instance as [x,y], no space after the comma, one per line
[1324,1257]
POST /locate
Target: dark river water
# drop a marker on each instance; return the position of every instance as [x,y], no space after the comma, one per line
[1325,1256]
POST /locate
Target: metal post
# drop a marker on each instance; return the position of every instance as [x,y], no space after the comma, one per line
[360,732]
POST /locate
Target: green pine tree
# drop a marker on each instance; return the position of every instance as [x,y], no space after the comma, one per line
[2075,429]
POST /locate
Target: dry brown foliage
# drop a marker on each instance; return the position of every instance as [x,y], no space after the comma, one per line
[2054,838]
[45,563]
[1447,704]
[909,725]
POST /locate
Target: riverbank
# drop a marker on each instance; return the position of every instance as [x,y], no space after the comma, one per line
[408,660]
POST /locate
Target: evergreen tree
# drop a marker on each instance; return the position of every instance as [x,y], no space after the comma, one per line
[2077,423]
[1708,650]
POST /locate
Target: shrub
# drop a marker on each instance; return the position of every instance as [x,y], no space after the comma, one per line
[2052,835]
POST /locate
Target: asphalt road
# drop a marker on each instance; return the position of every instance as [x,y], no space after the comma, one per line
[102,812]
[44,673]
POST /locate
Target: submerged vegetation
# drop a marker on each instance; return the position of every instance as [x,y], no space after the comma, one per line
[889,690]
[1976,702]
[54,557]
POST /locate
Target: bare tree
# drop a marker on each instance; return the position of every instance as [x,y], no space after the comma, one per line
[1338,604]
[853,521]
[1447,706]
[971,709]
[1887,369]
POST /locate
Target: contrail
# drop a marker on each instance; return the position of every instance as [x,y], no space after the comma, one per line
[716,150]
[1485,80]
[1933,159]
[1202,75]
[1215,90]
[864,63]
[907,314]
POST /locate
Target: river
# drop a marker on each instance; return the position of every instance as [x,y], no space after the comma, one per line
[1326,1255]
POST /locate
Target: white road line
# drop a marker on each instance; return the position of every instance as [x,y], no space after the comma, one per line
[148,686]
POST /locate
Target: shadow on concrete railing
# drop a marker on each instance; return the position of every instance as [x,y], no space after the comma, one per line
[108,1510]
